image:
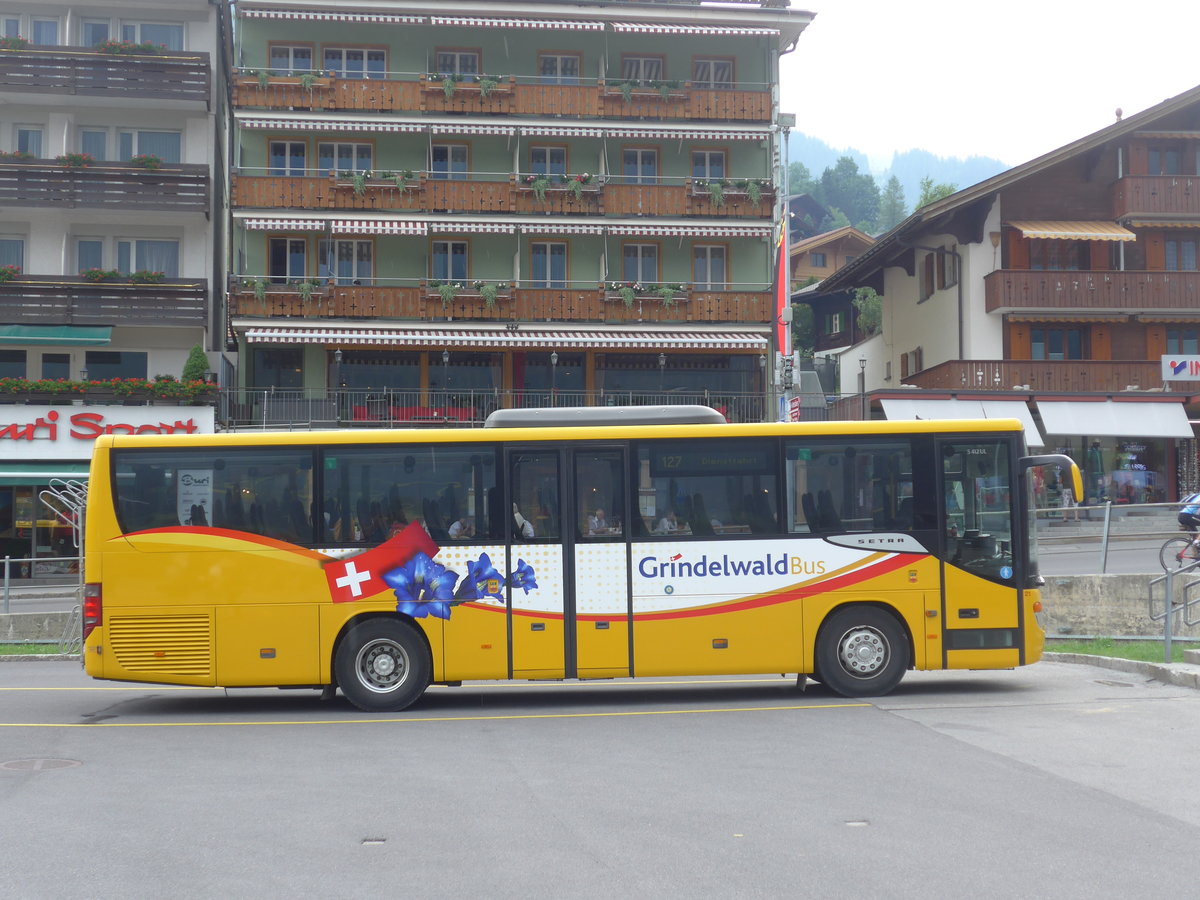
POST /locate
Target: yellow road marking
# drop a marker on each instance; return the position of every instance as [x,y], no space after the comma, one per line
[588,683]
[431,719]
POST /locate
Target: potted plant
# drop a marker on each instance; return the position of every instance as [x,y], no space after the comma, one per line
[668,292]
[13,42]
[146,161]
[576,183]
[129,48]
[487,84]
[716,191]
[145,276]
[305,288]
[358,180]
[538,184]
[627,290]
[9,272]
[489,291]
[95,276]
[16,154]
[75,160]
[626,88]
[450,82]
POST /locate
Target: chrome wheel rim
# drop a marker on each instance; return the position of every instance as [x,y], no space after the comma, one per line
[381,665]
[863,651]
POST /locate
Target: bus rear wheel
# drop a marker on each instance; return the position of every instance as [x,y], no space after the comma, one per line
[382,665]
[861,652]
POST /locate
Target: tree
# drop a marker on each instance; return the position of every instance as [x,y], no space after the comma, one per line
[870,310]
[931,192]
[800,180]
[852,192]
[196,365]
[891,205]
[803,334]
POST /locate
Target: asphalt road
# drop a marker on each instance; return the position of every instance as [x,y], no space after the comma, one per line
[1052,781]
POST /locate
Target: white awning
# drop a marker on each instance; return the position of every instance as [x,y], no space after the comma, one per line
[316,16]
[1115,418]
[536,24]
[452,227]
[694,134]
[560,131]
[284,224]
[376,226]
[288,124]
[691,230]
[552,227]
[664,28]
[455,128]
[499,338]
[953,408]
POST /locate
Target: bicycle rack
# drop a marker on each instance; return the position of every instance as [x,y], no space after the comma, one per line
[67,499]
[1188,604]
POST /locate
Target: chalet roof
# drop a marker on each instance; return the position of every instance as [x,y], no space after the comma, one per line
[965,210]
[830,237]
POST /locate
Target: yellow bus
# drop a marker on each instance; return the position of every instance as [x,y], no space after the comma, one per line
[555,544]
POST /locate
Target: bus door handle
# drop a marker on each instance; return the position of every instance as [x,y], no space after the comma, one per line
[538,626]
[968,613]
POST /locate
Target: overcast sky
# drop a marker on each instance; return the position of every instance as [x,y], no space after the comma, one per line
[1009,80]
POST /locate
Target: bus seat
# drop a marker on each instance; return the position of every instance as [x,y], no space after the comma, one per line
[830,520]
[809,505]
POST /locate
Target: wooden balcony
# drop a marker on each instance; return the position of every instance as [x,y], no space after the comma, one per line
[84,71]
[424,194]
[581,101]
[1169,197]
[1043,376]
[69,300]
[420,304]
[45,182]
[1016,291]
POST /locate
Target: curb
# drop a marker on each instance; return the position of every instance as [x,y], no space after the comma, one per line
[1181,674]
[39,657]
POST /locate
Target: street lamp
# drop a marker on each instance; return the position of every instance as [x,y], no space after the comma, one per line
[83,374]
[337,384]
[446,376]
[662,370]
[862,386]
[554,378]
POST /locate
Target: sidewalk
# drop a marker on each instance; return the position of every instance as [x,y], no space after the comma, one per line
[1184,674]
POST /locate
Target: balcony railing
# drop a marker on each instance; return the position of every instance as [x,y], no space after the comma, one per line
[306,409]
[1049,376]
[517,96]
[418,302]
[1157,196]
[45,182]
[84,71]
[494,193]
[1018,290]
[69,300]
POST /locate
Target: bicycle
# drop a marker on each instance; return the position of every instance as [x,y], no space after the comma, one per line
[1179,552]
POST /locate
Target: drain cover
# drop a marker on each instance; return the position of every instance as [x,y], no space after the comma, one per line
[40,765]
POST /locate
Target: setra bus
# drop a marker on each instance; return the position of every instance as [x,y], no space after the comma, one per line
[562,543]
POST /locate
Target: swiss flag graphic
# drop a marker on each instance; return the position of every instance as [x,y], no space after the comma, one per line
[357,577]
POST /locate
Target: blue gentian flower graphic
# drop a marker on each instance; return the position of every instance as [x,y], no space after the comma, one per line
[423,587]
[482,580]
[524,577]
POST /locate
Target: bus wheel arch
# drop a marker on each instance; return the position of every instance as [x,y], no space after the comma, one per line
[382,663]
[862,650]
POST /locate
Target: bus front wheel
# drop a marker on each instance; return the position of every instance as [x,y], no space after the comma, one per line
[861,652]
[382,665]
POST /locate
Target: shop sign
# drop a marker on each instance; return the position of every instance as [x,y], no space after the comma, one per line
[67,432]
[1181,368]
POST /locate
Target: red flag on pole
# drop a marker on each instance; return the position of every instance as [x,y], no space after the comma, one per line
[360,576]
[783,295]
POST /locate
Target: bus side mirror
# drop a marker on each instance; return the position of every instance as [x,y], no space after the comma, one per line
[1061,460]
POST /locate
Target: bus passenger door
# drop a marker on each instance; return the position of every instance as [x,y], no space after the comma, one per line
[600,558]
[536,582]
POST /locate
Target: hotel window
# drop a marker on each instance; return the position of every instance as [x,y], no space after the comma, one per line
[346,261]
[348,62]
[29,139]
[835,323]
[105,365]
[1183,341]
[947,269]
[288,157]
[458,62]
[549,269]
[1056,343]
[925,284]
[818,260]
[43,32]
[12,363]
[287,59]
[1163,160]
[559,68]
[167,35]
[712,73]
[448,261]
[89,253]
[548,160]
[138,255]
[12,252]
[448,161]
[344,157]
[709,271]
[166,145]
[1057,255]
[95,31]
[641,68]
[1180,255]
[94,142]
[286,259]
[639,262]
[10,26]
[708,163]
[639,166]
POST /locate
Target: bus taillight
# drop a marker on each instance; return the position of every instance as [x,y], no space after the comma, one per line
[93,608]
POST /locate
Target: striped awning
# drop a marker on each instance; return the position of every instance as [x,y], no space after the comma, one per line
[1073,231]
[535,24]
[1163,223]
[456,128]
[454,227]
[317,16]
[665,28]
[699,134]
[376,226]
[560,131]
[493,337]
[288,124]
[284,224]
[552,227]
[690,230]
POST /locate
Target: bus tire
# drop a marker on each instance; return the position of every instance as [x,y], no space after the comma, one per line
[862,651]
[382,665]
